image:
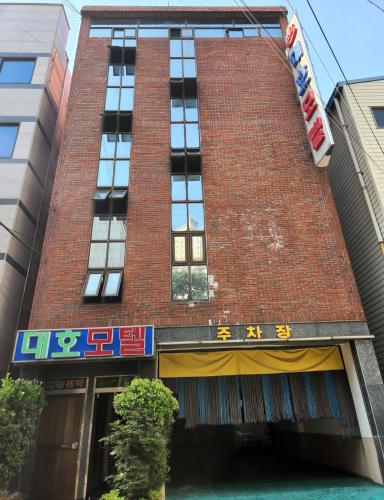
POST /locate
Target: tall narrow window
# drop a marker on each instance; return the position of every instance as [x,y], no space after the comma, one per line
[189,258]
[106,256]
[107,247]
[184,124]
[182,59]
[121,75]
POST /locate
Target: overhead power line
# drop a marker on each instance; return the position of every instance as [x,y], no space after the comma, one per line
[17,238]
[345,78]
[373,3]
[277,49]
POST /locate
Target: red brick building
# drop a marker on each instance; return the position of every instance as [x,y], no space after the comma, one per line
[225,238]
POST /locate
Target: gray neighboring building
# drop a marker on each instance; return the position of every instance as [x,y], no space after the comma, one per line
[34,84]
[356,173]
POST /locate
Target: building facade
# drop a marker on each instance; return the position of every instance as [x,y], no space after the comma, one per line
[191,237]
[356,171]
[33,69]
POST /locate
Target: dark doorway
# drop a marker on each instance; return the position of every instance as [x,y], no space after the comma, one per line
[101,462]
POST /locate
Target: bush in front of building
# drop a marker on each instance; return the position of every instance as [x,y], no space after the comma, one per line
[139,439]
[21,402]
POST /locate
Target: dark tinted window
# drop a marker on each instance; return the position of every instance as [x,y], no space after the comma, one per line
[378,113]
[8,134]
[16,70]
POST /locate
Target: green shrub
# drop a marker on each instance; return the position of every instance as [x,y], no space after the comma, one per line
[21,402]
[112,495]
[139,439]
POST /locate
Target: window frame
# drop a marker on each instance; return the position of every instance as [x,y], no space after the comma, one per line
[105,270]
[18,59]
[377,108]
[185,124]
[17,126]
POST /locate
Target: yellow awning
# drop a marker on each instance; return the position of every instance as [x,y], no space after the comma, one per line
[249,362]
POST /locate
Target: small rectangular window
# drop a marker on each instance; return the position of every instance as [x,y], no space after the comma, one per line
[153,33]
[378,113]
[126,99]
[179,192]
[195,189]
[116,254]
[196,216]
[121,178]
[177,110]
[197,248]
[179,217]
[199,282]
[191,114]
[175,33]
[16,70]
[112,284]
[188,48]
[97,255]
[100,32]
[175,48]
[92,284]
[179,249]
[123,146]
[180,282]
[177,136]
[176,68]
[112,99]
[100,228]
[209,33]
[108,145]
[192,135]
[8,136]
[234,33]
[128,75]
[105,174]
[189,68]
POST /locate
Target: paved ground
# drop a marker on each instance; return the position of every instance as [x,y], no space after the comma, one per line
[297,480]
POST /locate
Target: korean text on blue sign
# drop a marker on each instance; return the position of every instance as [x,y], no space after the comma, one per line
[84,343]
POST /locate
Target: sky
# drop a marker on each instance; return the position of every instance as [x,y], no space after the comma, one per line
[353,27]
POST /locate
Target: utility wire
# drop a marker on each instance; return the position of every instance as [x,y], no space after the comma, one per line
[277,50]
[373,3]
[17,238]
[345,78]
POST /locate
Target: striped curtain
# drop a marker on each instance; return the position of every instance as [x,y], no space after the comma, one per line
[294,397]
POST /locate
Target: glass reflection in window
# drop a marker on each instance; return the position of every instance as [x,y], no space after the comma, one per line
[199,282]
[178,188]
[180,282]
[196,216]
[179,217]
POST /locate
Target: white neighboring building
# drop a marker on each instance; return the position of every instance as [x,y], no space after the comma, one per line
[356,172]
[33,93]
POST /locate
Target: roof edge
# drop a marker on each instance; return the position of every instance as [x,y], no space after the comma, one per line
[343,83]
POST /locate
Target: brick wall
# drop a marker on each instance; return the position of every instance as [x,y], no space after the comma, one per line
[275,247]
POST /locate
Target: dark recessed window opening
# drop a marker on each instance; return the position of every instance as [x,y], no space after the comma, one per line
[378,114]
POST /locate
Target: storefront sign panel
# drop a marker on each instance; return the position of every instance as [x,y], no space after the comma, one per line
[83,343]
[316,122]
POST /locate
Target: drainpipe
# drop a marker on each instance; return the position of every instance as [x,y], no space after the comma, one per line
[379,236]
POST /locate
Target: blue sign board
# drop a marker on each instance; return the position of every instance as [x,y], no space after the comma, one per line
[83,343]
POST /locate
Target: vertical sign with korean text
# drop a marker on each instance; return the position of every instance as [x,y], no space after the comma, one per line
[72,344]
[316,122]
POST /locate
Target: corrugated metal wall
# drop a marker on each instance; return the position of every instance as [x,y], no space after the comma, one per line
[366,257]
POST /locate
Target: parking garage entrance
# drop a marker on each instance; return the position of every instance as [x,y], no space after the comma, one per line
[266,413]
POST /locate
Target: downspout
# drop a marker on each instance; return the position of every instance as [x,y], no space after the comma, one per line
[379,235]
